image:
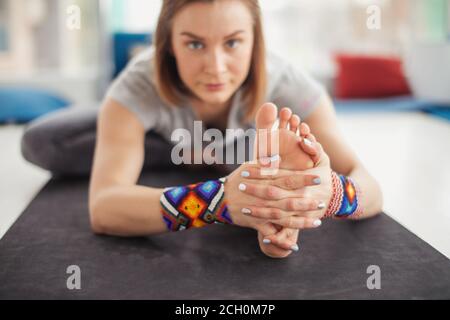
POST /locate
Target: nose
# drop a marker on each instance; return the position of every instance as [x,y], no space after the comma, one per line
[215,63]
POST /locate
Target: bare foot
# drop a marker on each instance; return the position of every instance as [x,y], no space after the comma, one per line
[288,135]
[283,140]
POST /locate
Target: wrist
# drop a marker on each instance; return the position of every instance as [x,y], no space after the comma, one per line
[234,210]
[346,196]
[194,205]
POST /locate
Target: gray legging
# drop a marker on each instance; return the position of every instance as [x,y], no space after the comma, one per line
[63,142]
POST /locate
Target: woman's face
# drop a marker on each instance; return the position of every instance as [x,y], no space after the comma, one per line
[212,44]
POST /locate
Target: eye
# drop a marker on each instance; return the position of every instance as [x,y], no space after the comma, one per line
[194,45]
[233,43]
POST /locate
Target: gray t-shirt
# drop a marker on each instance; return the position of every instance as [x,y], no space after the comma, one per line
[135,89]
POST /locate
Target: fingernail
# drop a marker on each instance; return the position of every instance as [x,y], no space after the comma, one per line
[245,174]
[275,158]
[317,180]
[321,205]
[317,222]
[307,142]
[246,211]
[267,241]
[242,187]
[294,247]
[264,160]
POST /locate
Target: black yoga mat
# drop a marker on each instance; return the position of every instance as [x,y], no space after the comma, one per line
[216,262]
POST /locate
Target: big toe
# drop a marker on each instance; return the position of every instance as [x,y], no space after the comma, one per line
[266,143]
[266,116]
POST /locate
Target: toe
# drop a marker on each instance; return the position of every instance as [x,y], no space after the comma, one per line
[294,122]
[265,119]
[285,115]
[266,116]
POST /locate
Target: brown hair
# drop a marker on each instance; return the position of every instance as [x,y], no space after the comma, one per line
[167,80]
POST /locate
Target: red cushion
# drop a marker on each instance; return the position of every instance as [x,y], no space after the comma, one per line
[369,77]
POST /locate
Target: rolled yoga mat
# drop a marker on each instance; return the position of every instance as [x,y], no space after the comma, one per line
[215,262]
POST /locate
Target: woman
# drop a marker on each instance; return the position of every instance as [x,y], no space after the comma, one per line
[209,63]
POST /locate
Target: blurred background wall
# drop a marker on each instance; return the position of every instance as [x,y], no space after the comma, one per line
[38,49]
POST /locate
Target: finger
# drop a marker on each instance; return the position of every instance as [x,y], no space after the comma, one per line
[319,152]
[266,213]
[294,123]
[265,191]
[272,250]
[310,147]
[296,204]
[311,137]
[304,129]
[268,229]
[285,115]
[269,165]
[256,172]
[277,209]
[295,222]
[320,148]
[252,170]
[296,181]
[286,239]
[308,144]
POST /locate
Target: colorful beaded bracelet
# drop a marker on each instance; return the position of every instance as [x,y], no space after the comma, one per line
[346,199]
[195,205]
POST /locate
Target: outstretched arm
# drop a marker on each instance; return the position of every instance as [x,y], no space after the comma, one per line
[118,206]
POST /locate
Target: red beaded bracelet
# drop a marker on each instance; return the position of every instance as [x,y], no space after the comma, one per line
[346,199]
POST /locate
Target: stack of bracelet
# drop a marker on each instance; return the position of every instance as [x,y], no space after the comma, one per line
[346,199]
[195,205]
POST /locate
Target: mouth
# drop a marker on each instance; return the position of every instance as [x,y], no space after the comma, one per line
[214,86]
